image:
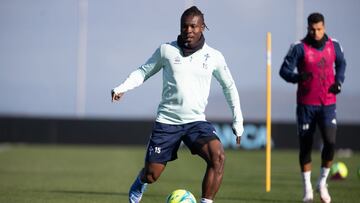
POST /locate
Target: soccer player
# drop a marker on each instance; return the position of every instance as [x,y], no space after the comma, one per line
[320,65]
[188,65]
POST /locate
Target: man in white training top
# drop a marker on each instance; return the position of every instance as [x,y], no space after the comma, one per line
[188,65]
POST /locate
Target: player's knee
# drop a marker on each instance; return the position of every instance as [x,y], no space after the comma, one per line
[305,157]
[328,151]
[329,145]
[150,178]
[218,161]
[221,159]
[329,135]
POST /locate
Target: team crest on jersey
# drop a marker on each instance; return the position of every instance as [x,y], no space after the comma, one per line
[151,150]
[177,60]
[206,57]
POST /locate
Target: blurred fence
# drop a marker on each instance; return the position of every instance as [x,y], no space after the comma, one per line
[136,132]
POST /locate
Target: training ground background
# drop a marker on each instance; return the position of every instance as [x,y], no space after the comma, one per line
[62,140]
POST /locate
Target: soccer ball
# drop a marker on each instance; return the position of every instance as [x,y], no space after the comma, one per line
[181,196]
[338,171]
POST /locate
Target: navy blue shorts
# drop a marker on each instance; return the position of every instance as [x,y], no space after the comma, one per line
[165,139]
[309,116]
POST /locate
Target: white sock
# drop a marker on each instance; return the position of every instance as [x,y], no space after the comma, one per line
[324,173]
[204,200]
[307,180]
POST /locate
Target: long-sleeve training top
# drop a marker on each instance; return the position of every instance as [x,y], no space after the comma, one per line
[186,84]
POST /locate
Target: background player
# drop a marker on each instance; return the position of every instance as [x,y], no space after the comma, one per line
[315,57]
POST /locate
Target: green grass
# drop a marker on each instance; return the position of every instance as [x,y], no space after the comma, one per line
[75,174]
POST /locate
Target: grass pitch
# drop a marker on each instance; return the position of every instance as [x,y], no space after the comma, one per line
[85,174]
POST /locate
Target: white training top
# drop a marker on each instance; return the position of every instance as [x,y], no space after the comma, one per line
[186,84]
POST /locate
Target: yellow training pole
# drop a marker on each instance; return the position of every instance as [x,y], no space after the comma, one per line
[268,112]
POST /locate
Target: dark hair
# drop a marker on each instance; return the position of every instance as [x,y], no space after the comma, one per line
[315,18]
[193,11]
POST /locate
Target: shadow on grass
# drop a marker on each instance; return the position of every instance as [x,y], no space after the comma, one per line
[125,194]
[79,192]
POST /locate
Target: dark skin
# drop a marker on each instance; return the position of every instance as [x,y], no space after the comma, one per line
[191,29]
[211,152]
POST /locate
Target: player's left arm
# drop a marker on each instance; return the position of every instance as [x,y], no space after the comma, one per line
[340,62]
[224,77]
[340,66]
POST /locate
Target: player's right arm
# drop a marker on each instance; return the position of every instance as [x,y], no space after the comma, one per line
[139,76]
[291,61]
